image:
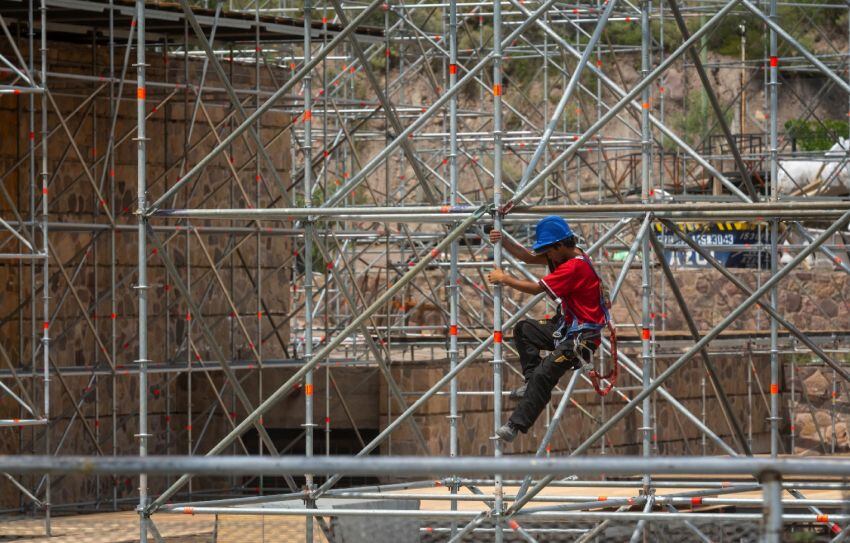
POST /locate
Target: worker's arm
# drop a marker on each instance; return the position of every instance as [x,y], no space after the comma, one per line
[498,277]
[516,250]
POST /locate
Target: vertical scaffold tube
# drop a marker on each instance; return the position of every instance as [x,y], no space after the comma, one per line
[646,324]
[258,256]
[142,286]
[497,254]
[308,262]
[32,208]
[324,183]
[772,496]
[774,233]
[453,271]
[45,287]
[113,276]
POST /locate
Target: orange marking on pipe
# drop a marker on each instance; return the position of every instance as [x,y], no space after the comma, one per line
[774,388]
[497,89]
[497,336]
[140,93]
[308,390]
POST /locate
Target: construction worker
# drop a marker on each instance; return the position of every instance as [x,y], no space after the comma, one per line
[571,336]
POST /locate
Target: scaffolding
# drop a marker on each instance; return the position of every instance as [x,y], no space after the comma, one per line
[523,110]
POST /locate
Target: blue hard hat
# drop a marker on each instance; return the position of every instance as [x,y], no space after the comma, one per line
[551,229]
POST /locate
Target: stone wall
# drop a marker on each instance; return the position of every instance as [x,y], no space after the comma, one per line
[86,258]
[673,434]
[821,409]
[813,300]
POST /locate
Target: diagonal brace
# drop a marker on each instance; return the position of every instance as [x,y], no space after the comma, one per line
[764,305]
[715,105]
[706,339]
[322,354]
[706,360]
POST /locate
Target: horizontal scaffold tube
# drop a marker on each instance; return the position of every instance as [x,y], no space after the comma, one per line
[710,210]
[417,465]
[466,515]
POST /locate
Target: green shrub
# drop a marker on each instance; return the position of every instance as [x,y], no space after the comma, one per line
[799,21]
[814,135]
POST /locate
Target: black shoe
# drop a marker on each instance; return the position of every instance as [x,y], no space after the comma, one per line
[507,432]
[519,392]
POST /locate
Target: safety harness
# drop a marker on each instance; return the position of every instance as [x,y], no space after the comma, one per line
[580,332]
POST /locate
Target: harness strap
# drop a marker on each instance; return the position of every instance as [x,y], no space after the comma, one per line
[595,377]
[611,376]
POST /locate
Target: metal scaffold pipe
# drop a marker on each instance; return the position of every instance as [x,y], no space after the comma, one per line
[658,381]
[624,101]
[322,354]
[142,249]
[440,122]
[763,210]
[426,466]
[268,104]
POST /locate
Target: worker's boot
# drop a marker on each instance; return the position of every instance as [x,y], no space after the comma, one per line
[519,392]
[507,432]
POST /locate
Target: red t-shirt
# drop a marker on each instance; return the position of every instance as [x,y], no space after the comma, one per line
[576,284]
